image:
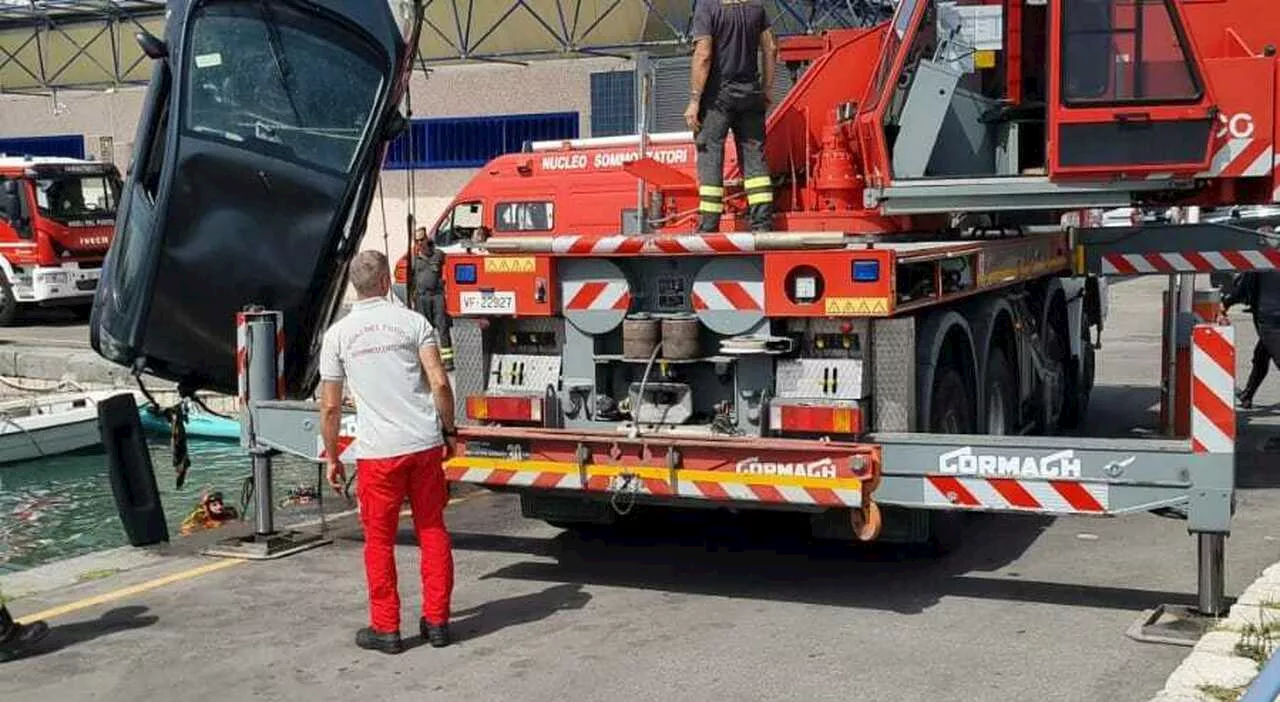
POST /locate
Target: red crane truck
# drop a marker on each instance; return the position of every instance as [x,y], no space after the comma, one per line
[933,276]
[918,332]
[57,216]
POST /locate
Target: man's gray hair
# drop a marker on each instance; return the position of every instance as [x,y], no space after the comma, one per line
[369,273]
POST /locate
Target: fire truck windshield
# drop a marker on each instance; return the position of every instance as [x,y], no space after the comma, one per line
[74,199]
[255,80]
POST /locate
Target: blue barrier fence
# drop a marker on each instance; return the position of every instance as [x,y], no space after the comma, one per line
[470,142]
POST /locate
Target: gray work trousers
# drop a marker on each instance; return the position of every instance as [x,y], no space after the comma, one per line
[431,306]
[737,108]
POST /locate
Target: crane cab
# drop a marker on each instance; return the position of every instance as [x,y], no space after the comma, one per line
[1017,104]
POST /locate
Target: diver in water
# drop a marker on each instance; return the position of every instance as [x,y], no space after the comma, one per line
[17,639]
[211,513]
[301,495]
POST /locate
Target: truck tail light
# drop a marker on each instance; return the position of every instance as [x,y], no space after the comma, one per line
[816,419]
[490,408]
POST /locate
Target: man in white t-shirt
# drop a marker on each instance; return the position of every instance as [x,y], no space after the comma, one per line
[404,429]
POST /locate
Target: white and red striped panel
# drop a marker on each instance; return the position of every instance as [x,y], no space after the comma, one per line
[727,490]
[1213,370]
[728,296]
[1190,262]
[1041,496]
[734,242]
[1242,157]
[597,295]
[242,354]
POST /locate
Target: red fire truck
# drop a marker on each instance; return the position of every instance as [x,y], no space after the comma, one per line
[57,216]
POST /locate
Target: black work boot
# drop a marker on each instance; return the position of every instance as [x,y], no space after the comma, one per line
[708,223]
[761,217]
[16,639]
[371,640]
[437,636]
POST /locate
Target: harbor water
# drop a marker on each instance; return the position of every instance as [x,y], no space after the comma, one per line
[62,506]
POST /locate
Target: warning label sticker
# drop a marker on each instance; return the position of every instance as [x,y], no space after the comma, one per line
[524,264]
[851,306]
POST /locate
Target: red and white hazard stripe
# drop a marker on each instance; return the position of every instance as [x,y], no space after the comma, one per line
[597,295]
[1190,262]
[1213,371]
[728,295]
[242,354]
[1042,496]
[735,242]
[1241,157]
[731,487]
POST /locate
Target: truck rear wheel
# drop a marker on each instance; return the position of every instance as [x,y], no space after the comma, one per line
[1079,384]
[1001,410]
[950,411]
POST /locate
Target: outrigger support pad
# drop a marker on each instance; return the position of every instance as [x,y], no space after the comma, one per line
[258,358]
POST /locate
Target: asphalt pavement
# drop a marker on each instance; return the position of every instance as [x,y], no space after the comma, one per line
[51,327]
[704,608]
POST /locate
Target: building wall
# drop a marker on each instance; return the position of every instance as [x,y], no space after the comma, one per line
[449,91]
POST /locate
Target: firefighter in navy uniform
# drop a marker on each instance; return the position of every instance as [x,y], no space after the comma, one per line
[428,289]
[1260,292]
[730,88]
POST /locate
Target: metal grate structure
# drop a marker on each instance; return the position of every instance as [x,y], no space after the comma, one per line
[48,45]
[74,44]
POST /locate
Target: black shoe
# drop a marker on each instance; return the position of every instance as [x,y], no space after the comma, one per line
[437,636]
[371,640]
[21,638]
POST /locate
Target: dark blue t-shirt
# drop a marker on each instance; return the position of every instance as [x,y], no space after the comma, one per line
[735,27]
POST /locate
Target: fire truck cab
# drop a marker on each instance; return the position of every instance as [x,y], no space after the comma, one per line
[57,216]
[538,191]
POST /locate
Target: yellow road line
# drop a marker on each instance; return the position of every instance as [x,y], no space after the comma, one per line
[189,574]
[132,590]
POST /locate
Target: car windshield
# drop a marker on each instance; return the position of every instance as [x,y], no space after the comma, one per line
[271,79]
[77,198]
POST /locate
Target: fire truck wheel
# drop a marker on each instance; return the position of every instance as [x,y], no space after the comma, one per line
[8,303]
[950,411]
[1002,403]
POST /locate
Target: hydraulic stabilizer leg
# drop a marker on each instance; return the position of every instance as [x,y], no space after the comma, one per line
[259,354]
[1211,578]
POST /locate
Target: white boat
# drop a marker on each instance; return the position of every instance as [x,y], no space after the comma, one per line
[48,425]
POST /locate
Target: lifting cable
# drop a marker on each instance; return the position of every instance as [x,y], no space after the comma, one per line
[411,182]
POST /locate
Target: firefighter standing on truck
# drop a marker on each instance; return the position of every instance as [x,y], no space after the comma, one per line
[729,91]
[428,287]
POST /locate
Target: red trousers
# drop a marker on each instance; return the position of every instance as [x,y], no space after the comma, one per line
[384,483]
